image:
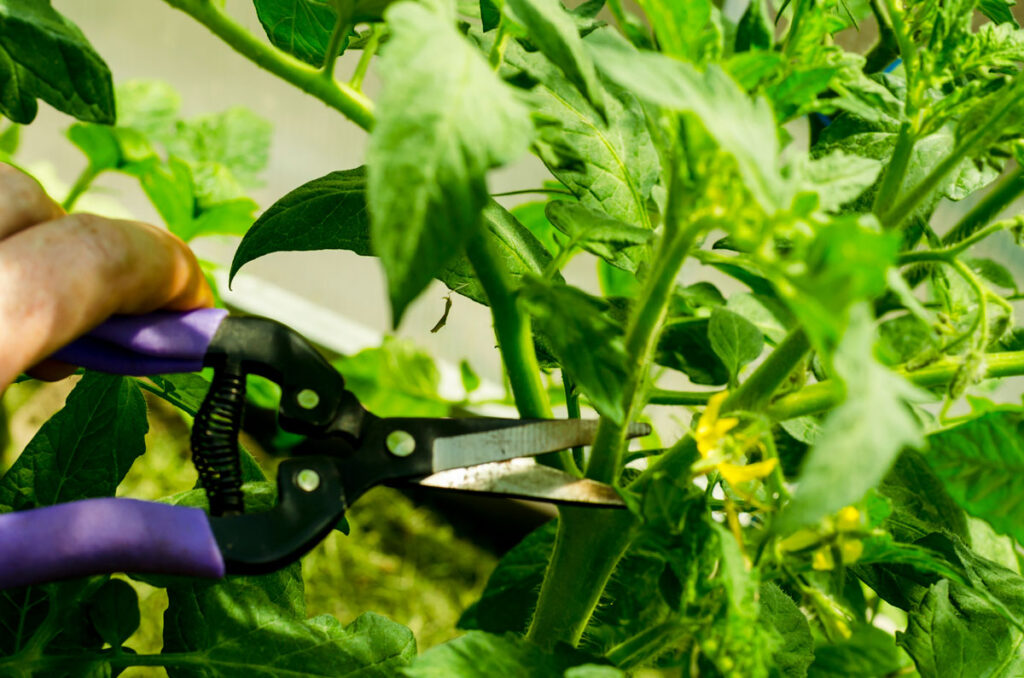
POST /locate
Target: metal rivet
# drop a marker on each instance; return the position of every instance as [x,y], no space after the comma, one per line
[307,480]
[308,398]
[401,443]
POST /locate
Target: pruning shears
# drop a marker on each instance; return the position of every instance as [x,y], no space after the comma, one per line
[346,451]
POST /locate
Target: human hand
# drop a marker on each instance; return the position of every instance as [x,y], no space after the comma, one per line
[63,274]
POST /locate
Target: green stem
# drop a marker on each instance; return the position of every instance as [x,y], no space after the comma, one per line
[896,170]
[342,27]
[754,393]
[641,341]
[81,185]
[588,545]
[369,50]
[528,191]
[661,396]
[512,329]
[948,254]
[350,102]
[825,395]
[572,407]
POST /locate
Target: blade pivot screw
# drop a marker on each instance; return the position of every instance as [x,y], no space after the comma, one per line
[401,443]
[307,479]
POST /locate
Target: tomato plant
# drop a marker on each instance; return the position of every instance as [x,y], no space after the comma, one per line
[773,219]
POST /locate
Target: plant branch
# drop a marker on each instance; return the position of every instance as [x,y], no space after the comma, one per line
[948,254]
[825,395]
[81,185]
[896,170]
[754,393]
[661,396]
[342,27]
[641,340]
[339,96]
[512,329]
[369,49]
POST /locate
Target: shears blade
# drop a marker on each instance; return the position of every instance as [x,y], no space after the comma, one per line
[523,478]
[528,439]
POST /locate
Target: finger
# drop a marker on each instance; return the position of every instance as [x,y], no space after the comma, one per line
[61,278]
[23,202]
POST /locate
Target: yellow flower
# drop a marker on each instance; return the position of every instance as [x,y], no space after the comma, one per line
[735,474]
[848,519]
[711,430]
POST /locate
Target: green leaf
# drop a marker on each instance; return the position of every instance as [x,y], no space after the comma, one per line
[868,653]
[734,339]
[98,143]
[795,651]
[301,28]
[684,346]
[114,612]
[981,464]
[588,345]
[507,602]
[444,120]
[484,655]
[44,55]
[686,29]
[599,234]
[470,379]
[490,14]
[554,32]
[920,503]
[396,379]
[256,626]
[149,106]
[861,438]
[236,139]
[993,271]
[185,391]
[838,178]
[323,214]
[82,451]
[999,11]
[955,632]
[755,30]
[609,164]
[743,127]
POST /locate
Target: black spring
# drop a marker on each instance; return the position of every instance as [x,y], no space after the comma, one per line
[215,443]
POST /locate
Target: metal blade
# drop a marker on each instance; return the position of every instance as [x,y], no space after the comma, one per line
[530,439]
[525,479]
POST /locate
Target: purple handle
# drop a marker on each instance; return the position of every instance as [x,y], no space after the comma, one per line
[156,343]
[102,536]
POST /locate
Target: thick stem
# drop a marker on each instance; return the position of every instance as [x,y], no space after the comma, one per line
[588,546]
[896,170]
[512,329]
[641,341]
[351,103]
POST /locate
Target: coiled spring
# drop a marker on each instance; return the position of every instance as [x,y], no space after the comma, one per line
[215,443]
